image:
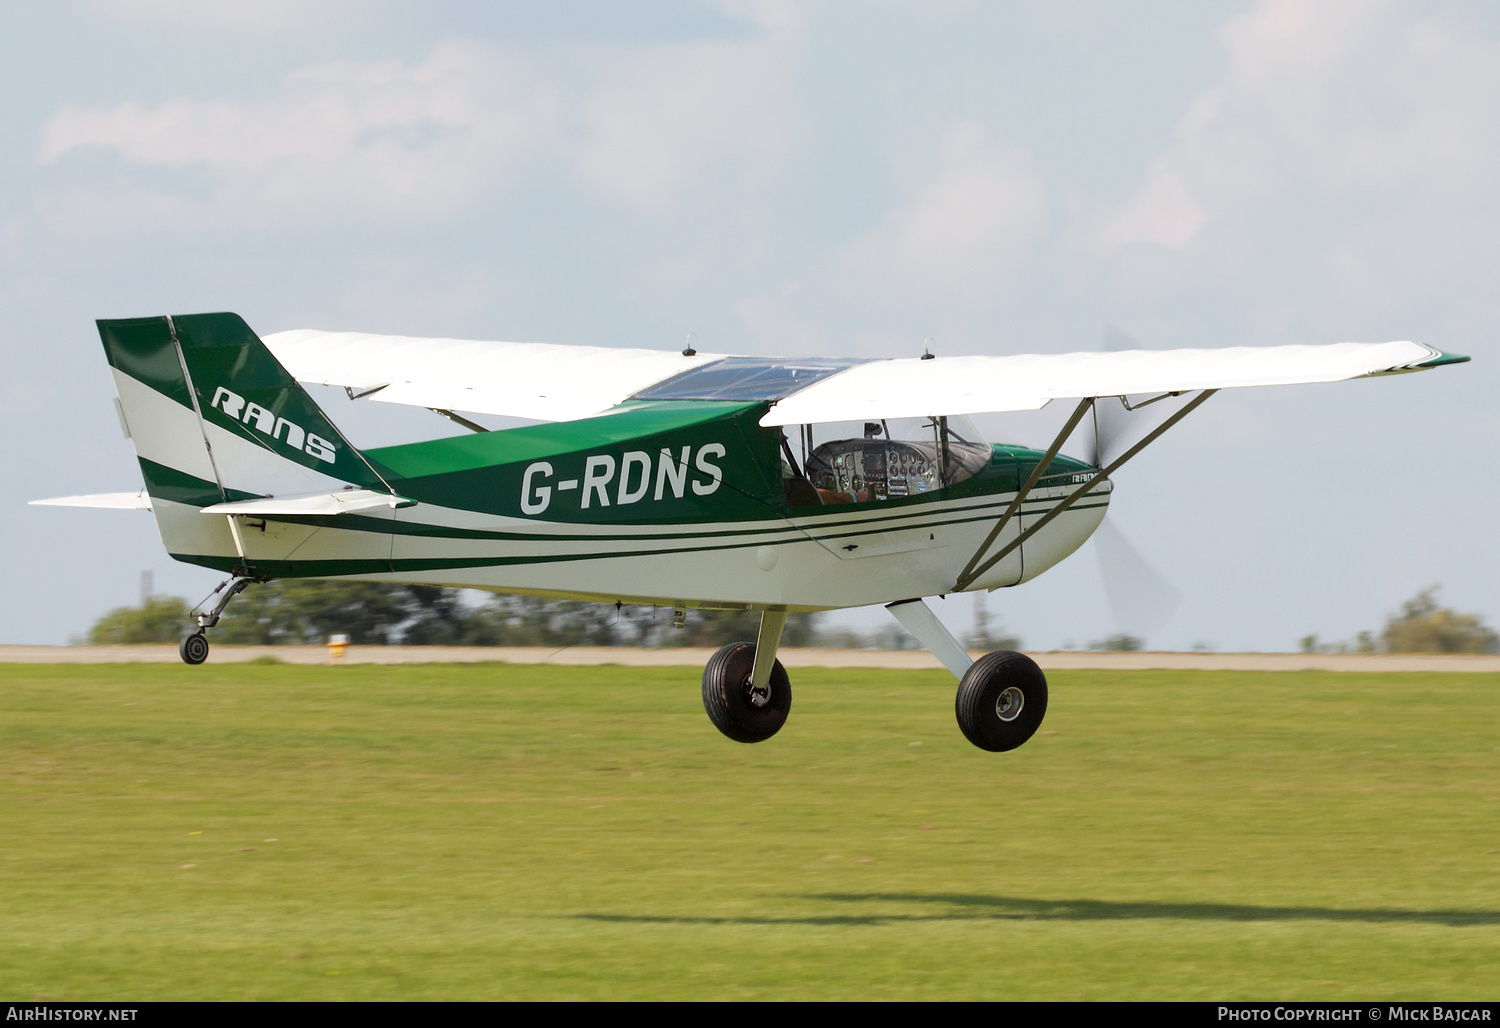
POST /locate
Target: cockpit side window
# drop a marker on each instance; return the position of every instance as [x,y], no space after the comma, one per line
[876,468]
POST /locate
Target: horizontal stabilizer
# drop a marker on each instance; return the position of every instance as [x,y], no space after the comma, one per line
[104,501]
[347,501]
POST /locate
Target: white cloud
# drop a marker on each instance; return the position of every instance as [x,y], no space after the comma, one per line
[1162,211]
[662,118]
[384,141]
[395,142]
[964,232]
[1358,137]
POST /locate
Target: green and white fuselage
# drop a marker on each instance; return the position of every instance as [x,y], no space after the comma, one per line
[658,478]
[670,502]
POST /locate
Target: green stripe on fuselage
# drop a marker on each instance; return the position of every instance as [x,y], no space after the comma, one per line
[486,472]
[365,566]
[720,465]
[535,442]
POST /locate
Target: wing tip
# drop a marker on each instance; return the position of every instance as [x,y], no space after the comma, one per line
[1440,358]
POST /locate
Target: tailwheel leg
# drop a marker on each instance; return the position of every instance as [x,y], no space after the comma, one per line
[194,648]
[746,691]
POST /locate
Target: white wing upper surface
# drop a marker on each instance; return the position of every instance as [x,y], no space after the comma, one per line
[912,387]
[550,382]
[543,381]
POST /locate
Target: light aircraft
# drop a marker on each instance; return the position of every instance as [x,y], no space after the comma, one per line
[687,480]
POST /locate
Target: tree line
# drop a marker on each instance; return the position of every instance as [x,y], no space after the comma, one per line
[1420,626]
[293,612]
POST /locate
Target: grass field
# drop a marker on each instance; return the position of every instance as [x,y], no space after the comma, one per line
[493,831]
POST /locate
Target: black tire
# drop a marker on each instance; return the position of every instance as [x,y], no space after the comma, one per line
[193,649]
[1001,701]
[728,700]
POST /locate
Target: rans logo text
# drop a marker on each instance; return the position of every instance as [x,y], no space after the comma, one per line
[262,420]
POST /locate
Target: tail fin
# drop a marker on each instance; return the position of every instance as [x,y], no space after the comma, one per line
[215,418]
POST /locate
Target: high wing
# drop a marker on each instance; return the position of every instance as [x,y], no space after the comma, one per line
[541,381]
[916,387]
[551,382]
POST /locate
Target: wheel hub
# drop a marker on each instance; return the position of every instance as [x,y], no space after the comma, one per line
[1009,703]
[759,697]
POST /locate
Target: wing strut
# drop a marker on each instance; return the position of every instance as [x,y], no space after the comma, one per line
[968,576]
[456,419]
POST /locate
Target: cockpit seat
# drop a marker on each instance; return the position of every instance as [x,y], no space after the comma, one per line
[801,493]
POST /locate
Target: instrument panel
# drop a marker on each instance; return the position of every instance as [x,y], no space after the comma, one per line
[872,469]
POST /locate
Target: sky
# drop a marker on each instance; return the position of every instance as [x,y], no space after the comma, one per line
[797,179]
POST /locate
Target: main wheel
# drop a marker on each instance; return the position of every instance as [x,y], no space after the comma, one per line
[738,711]
[193,648]
[1001,701]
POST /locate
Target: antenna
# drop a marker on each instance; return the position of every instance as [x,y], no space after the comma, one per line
[688,351]
[927,354]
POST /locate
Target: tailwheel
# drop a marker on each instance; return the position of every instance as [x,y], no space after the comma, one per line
[738,709]
[1001,701]
[193,648]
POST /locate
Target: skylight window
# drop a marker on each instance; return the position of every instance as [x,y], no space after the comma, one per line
[746,378]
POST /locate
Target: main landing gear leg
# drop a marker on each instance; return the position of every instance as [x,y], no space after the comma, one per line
[745,689]
[918,619]
[194,648]
[1002,696]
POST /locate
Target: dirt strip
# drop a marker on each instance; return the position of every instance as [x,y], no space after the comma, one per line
[791,657]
